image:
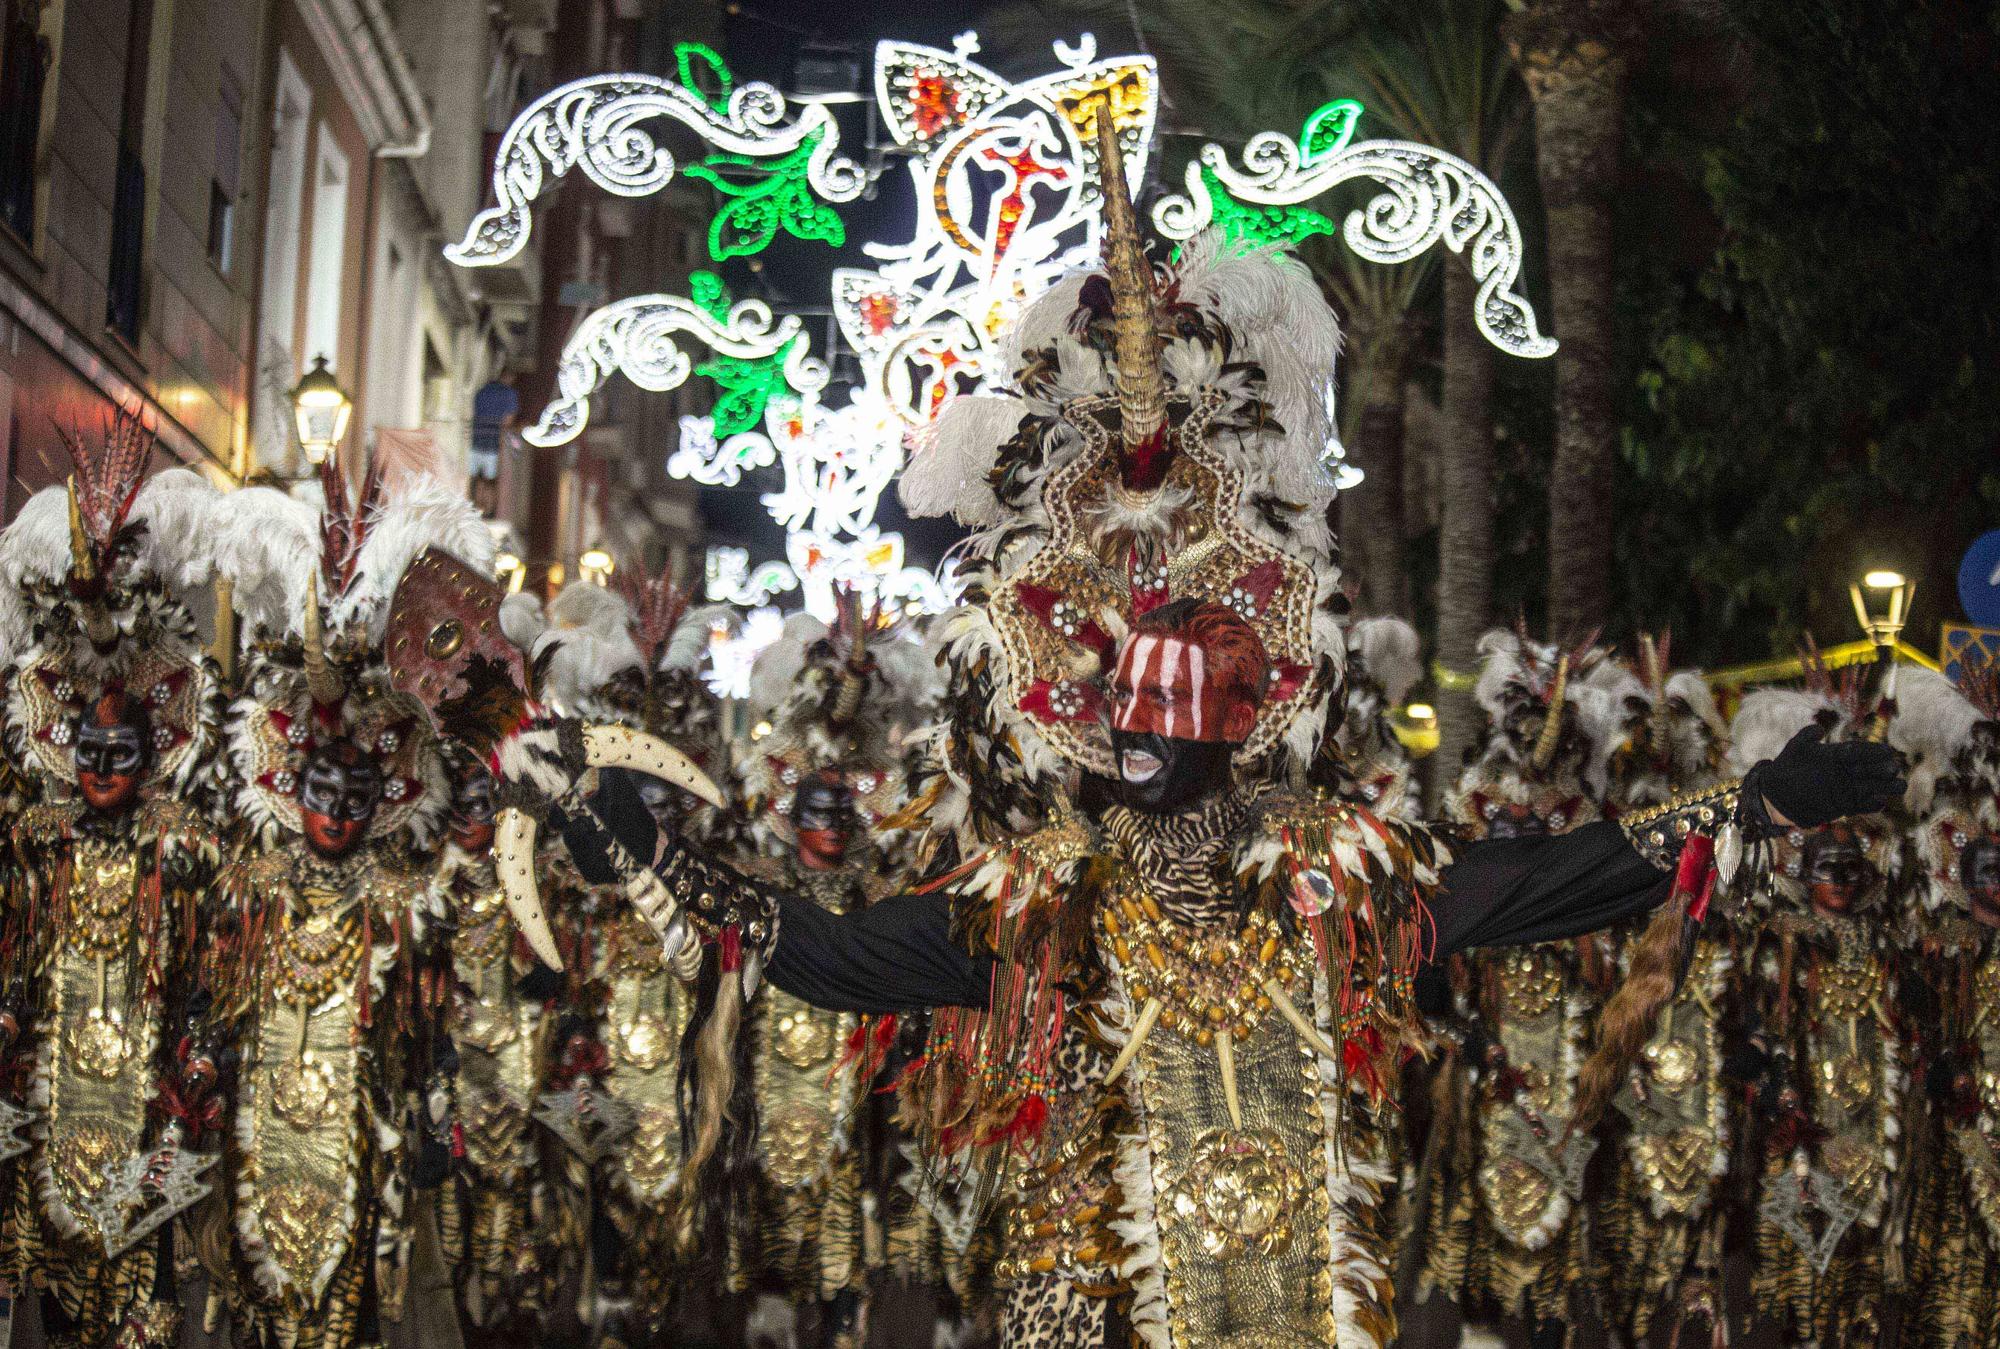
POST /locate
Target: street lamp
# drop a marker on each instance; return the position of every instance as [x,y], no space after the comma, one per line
[511,570]
[1882,605]
[321,409]
[595,566]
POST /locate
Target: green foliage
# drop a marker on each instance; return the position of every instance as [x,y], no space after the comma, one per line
[744,386]
[1820,398]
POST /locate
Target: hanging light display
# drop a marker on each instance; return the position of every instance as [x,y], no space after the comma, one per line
[1004,178]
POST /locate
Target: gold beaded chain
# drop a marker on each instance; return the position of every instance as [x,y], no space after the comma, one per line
[1206,981]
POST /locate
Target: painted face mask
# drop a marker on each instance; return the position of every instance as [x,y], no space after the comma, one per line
[1184,694]
[823,820]
[1837,870]
[338,794]
[112,752]
[472,811]
[1979,865]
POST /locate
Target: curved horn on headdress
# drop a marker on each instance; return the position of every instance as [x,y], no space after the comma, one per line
[1552,720]
[1142,384]
[1653,666]
[321,680]
[98,625]
[854,677]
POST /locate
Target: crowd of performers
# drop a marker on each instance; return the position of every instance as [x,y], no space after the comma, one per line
[1080,963]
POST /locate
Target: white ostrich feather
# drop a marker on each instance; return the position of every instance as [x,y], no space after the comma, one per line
[778,665]
[1390,653]
[268,547]
[1933,722]
[1692,688]
[948,469]
[521,618]
[590,643]
[1767,719]
[689,643]
[421,513]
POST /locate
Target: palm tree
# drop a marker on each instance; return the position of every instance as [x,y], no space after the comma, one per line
[1573,56]
[1436,71]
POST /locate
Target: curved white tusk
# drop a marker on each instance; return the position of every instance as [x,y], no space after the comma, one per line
[514,832]
[1140,1030]
[622,747]
[1225,1058]
[1290,1011]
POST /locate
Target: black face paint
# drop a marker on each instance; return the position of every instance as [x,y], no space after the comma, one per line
[108,751]
[1160,774]
[348,792]
[1837,870]
[1979,870]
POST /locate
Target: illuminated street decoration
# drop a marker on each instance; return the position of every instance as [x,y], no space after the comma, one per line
[1428,196]
[1004,175]
[701,458]
[596,124]
[731,653]
[730,579]
[1005,181]
[636,337]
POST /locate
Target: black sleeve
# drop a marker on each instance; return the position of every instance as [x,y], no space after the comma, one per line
[896,956]
[1511,892]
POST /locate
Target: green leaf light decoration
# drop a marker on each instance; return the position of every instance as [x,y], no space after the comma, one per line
[1328,129]
[703,73]
[710,292]
[744,387]
[1326,132]
[776,196]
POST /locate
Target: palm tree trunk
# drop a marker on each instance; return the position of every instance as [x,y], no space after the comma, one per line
[1572,56]
[1465,533]
[1371,515]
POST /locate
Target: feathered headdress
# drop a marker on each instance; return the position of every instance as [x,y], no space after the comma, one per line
[1162,437]
[98,578]
[312,576]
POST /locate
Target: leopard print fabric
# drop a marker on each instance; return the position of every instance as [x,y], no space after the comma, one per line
[1047,1312]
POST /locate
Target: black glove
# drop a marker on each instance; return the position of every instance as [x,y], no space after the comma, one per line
[1811,783]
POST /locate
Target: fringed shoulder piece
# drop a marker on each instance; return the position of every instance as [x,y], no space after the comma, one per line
[980,1096]
[175,823]
[1359,885]
[46,823]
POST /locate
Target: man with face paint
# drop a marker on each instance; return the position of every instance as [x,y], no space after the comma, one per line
[1150,930]
[1826,1060]
[113,705]
[497,1030]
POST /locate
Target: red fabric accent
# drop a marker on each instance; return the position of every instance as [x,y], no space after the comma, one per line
[1694,874]
[457,1141]
[1145,599]
[1286,680]
[1261,582]
[732,949]
[1023,1127]
[1143,467]
[1041,602]
[1035,702]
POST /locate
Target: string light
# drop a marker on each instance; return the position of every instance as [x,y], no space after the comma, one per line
[701,458]
[730,579]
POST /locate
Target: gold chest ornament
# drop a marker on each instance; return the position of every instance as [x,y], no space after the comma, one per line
[1678,1145]
[1529,1178]
[498,1034]
[300,1123]
[1977,1148]
[645,1016]
[1260,1183]
[97,1063]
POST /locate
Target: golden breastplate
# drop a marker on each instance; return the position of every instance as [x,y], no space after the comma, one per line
[1974,1141]
[499,1036]
[1679,1142]
[1854,1077]
[1526,1177]
[802,1112]
[1266,1217]
[646,1015]
[102,1030]
[301,1113]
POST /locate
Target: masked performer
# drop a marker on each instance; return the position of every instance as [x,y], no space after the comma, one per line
[1952,736]
[1832,1075]
[1173,1007]
[345,788]
[498,1029]
[1498,1187]
[114,709]
[1661,1215]
[820,786]
[1384,662]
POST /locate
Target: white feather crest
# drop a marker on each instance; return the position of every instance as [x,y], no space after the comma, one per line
[1767,719]
[268,547]
[947,471]
[1390,653]
[1691,687]
[689,643]
[420,513]
[521,618]
[778,665]
[589,631]
[35,547]
[1499,665]
[179,508]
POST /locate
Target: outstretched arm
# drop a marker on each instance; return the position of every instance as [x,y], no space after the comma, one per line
[897,955]
[1509,892]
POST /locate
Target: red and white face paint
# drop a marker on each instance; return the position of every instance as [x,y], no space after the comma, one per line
[1163,686]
